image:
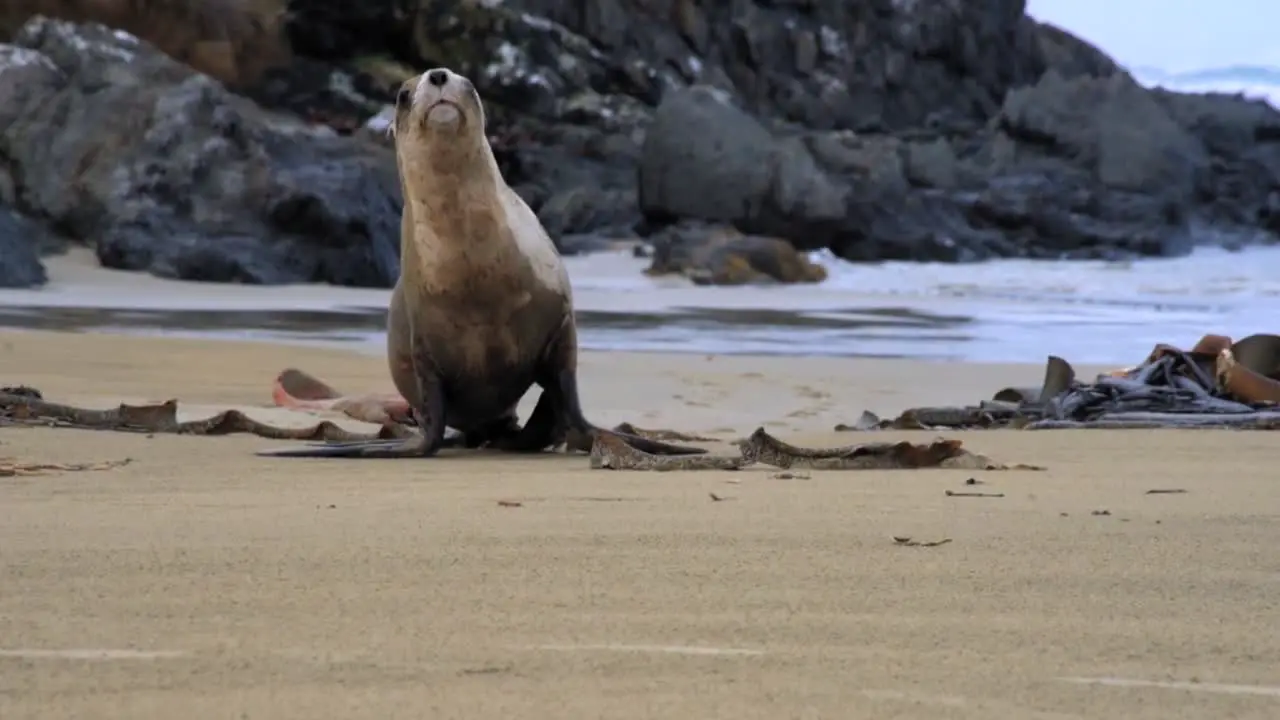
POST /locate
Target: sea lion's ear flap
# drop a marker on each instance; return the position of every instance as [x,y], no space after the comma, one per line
[404,97]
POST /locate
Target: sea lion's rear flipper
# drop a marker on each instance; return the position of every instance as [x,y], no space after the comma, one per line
[416,445]
[302,386]
[400,448]
[393,448]
[582,432]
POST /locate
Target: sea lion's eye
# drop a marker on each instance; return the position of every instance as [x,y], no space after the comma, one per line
[403,97]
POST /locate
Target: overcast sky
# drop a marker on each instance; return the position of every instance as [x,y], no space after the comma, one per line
[1173,35]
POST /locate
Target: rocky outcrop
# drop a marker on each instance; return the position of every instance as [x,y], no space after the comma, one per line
[163,170]
[879,129]
[1072,168]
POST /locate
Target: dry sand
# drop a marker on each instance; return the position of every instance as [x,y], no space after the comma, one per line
[201,581]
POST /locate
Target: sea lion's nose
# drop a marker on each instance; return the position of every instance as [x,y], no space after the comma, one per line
[438,77]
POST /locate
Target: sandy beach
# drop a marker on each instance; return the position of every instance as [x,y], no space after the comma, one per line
[202,581]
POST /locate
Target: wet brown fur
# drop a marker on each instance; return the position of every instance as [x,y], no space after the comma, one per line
[463,274]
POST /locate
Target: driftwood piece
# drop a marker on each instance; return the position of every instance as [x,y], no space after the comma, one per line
[608,451]
[9,467]
[1260,420]
[1170,391]
[27,409]
[764,448]
[908,542]
[627,428]
[761,447]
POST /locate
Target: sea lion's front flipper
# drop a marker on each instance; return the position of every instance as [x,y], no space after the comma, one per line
[544,428]
[582,431]
[558,376]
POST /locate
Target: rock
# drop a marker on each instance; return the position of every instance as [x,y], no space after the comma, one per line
[162,169]
[854,199]
[1087,167]
[879,129]
[21,244]
[1068,55]
[1109,127]
[718,255]
[236,43]
[705,159]
[1241,136]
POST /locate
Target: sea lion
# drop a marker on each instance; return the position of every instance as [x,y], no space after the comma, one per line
[483,308]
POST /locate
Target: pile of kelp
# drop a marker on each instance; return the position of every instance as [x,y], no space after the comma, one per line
[1174,390]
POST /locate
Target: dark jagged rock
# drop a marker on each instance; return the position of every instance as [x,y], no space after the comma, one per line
[21,244]
[163,170]
[1088,167]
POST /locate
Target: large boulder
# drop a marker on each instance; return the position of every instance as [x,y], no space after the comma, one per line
[161,169]
[1110,127]
[1240,193]
[706,159]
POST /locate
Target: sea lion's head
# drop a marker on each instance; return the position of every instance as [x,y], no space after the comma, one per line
[438,115]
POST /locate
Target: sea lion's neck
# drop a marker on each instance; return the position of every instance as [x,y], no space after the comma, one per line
[460,210]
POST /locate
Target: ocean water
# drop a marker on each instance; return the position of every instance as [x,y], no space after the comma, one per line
[1003,310]
[1253,81]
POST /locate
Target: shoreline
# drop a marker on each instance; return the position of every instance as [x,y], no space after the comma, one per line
[711,391]
[990,318]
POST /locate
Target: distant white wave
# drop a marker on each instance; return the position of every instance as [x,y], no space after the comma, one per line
[1207,274]
[1253,81]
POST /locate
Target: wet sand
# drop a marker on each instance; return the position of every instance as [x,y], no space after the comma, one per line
[201,581]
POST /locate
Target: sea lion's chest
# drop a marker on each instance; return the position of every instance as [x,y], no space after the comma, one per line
[487,316]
